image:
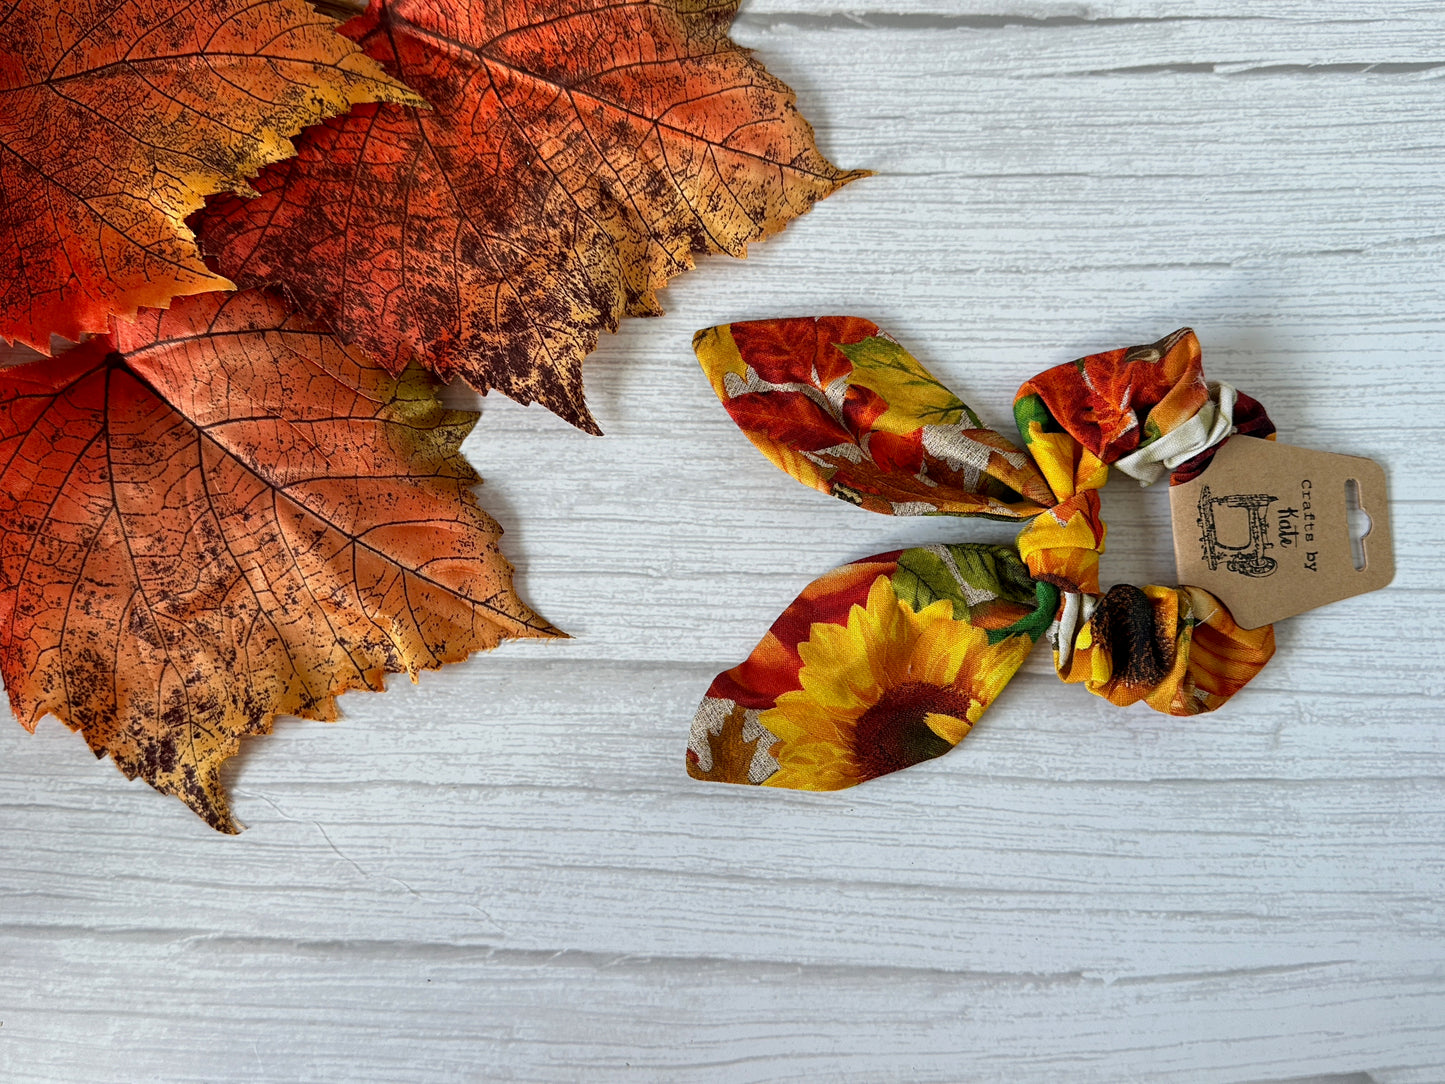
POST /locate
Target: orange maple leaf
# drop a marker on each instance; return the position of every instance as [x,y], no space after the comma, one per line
[732,754]
[118,118]
[578,153]
[221,515]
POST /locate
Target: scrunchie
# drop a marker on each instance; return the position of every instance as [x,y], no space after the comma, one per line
[889,661]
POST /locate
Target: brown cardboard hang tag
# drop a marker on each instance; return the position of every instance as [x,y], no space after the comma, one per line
[1266,529]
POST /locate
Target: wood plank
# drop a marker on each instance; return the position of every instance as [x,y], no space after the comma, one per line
[1062,828]
[503,873]
[436,1012]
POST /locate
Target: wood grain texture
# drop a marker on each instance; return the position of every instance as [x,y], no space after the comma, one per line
[504,873]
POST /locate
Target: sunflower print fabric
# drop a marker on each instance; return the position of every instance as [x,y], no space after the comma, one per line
[890,661]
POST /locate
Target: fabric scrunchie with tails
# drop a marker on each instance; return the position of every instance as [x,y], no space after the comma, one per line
[889,661]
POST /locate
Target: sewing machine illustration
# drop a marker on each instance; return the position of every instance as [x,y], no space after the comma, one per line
[1248,558]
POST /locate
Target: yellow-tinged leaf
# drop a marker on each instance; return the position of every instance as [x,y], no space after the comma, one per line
[118,118]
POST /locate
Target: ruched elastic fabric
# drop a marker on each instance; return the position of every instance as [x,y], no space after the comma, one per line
[1144,411]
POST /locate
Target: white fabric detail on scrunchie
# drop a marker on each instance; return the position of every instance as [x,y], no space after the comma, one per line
[1213,423]
[1075,612]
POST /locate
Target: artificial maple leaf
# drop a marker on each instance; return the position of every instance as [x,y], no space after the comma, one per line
[220,515]
[577,155]
[732,754]
[118,118]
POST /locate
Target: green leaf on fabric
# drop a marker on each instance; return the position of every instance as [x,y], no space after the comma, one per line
[882,366]
[922,578]
[967,574]
[995,568]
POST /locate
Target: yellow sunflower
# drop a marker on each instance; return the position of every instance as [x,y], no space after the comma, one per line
[889,689]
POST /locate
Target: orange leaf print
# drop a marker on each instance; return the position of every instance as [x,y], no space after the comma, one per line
[221,515]
[118,118]
[577,154]
[846,410]
[732,752]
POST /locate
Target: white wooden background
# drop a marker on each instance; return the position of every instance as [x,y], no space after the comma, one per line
[504,873]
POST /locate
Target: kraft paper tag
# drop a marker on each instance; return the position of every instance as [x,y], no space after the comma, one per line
[1266,530]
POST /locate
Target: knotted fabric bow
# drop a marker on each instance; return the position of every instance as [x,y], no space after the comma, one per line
[889,661]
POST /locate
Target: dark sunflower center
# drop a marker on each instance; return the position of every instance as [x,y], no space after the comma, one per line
[892,734]
[1124,620]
